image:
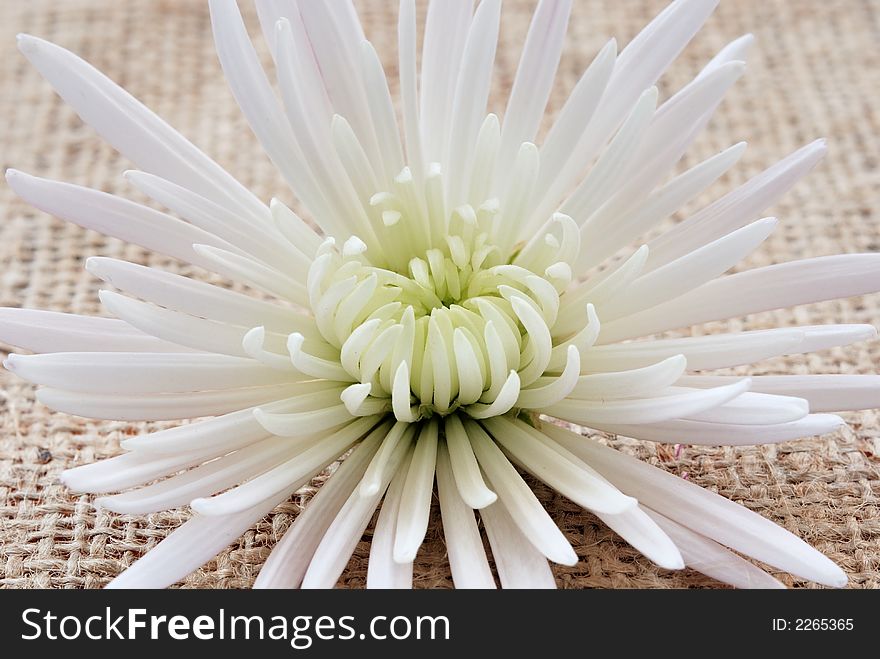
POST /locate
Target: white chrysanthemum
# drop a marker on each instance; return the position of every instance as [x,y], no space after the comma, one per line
[453,295]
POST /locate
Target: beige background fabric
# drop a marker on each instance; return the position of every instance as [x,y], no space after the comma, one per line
[815,72]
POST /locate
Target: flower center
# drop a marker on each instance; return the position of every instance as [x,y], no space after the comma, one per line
[436,314]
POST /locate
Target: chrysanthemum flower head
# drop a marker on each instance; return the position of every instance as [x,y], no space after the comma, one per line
[455,290]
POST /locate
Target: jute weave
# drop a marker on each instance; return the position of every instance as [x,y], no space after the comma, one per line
[815,72]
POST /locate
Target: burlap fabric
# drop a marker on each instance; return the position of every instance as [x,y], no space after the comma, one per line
[814,73]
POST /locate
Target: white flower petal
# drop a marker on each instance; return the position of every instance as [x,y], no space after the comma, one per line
[678,122]
[470,378]
[130,469]
[535,75]
[227,432]
[687,272]
[645,410]
[258,240]
[736,50]
[557,389]
[446,30]
[704,512]
[569,127]
[637,67]
[192,545]
[517,195]
[702,352]
[134,130]
[383,568]
[517,497]
[335,38]
[237,267]
[503,403]
[371,483]
[260,106]
[583,341]
[253,343]
[645,535]
[762,289]
[183,329]
[559,228]
[298,233]
[735,209]
[756,409]
[825,393]
[114,216]
[358,169]
[471,93]
[401,397]
[635,383]
[618,220]
[467,557]
[379,351]
[290,558]
[299,424]
[160,407]
[539,337]
[646,57]
[607,173]
[504,327]
[712,559]
[197,298]
[354,396]
[705,433]
[348,526]
[558,468]
[822,337]
[519,564]
[439,349]
[382,111]
[302,467]
[314,365]
[407,36]
[574,314]
[482,172]
[309,119]
[141,373]
[50,331]
[270,12]
[468,478]
[415,502]
[206,479]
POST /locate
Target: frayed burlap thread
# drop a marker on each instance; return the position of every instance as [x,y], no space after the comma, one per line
[815,72]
